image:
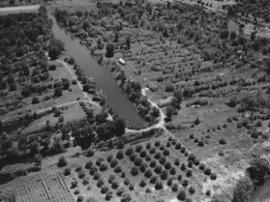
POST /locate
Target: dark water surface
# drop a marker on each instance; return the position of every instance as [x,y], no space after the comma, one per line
[116,97]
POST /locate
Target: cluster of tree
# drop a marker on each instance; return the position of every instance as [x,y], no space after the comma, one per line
[259,9]
[24,39]
[257,173]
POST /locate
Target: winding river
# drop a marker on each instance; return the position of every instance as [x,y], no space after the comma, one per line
[116,97]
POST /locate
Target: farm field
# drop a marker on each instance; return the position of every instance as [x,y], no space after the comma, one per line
[46,187]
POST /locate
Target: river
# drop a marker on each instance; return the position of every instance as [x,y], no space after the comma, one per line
[116,97]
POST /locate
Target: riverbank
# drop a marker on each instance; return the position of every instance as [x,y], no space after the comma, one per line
[115,96]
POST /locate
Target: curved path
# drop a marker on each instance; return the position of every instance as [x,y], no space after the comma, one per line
[87,99]
[159,124]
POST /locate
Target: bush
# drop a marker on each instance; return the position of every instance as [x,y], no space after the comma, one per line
[177,162]
[108,196]
[202,166]
[183,149]
[96,176]
[207,171]
[172,171]
[190,164]
[67,171]
[142,183]
[77,191]
[129,151]
[62,162]
[126,182]
[170,181]
[74,184]
[191,190]
[222,141]
[143,168]
[184,183]
[134,171]
[115,185]
[104,189]
[123,174]
[93,169]
[168,144]
[164,175]
[111,178]
[100,182]
[148,158]
[103,167]
[169,88]
[78,168]
[85,181]
[138,162]
[157,155]
[152,150]
[120,191]
[114,162]
[153,179]
[189,173]
[161,148]
[132,157]
[90,153]
[120,155]
[179,177]
[118,169]
[181,195]
[183,166]
[143,154]
[35,100]
[175,187]
[88,164]
[109,158]
[153,163]
[139,148]
[191,157]
[81,174]
[158,169]
[162,160]
[99,161]
[213,176]
[159,185]
[148,173]
[178,146]
[168,165]
[157,143]
[166,152]
[80,198]
[148,146]
[131,187]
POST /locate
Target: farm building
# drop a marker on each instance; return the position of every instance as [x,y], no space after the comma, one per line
[165,102]
[122,61]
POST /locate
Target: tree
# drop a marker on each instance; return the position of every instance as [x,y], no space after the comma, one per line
[243,190]
[259,169]
[62,162]
[38,160]
[120,126]
[58,92]
[109,50]
[55,48]
[128,42]
[35,100]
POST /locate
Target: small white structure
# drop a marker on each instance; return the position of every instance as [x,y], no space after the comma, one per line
[122,62]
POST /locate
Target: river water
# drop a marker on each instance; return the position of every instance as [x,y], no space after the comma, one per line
[116,97]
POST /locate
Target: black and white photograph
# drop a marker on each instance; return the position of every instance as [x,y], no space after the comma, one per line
[134,100]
